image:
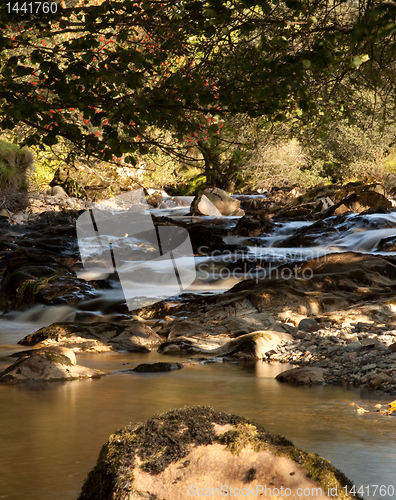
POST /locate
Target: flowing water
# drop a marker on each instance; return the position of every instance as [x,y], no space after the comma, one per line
[51,434]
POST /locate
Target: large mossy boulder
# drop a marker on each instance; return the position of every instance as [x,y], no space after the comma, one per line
[14,165]
[197,451]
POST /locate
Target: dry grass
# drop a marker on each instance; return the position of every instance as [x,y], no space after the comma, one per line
[14,164]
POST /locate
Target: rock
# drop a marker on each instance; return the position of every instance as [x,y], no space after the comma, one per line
[304,375]
[353,347]
[358,202]
[392,347]
[250,346]
[193,345]
[196,452]
[377,379]
[18,218]
[32,276]
[47,364]
[157,367]
[237,213]
[309,325]
[5,213]
[251,227]
[155,198]
[187,328]
[223,204]
[204,240]
[367,342]
[57,191]
[96,337]
[203,206]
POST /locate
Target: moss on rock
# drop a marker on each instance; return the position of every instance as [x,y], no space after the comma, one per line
[153,446]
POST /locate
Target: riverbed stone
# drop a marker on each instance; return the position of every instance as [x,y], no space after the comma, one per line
[46,365]
[32,276]
[171,455]
[157,367]
[358,202]
[132,336]
[303,376]
[249,346]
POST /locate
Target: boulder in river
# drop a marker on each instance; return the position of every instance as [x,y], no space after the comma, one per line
[32,277]
[157,367]
[303,376]
[132,336]
[358,202]
[250,346]
[216,202]
[200,451]
[46,365]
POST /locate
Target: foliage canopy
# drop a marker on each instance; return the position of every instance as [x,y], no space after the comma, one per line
[118,78]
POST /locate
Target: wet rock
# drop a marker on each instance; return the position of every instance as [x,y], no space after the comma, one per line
[250,346]
[32,277]
[193,345]
[214,201]
[96,337]
[204,240]
[199,450]
[358,202]
[157,367]
[375,380]
[302,376]
[48,364]
[251,227]
[311,235]
[203,206]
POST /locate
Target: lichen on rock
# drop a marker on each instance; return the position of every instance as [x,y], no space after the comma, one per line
[200,446]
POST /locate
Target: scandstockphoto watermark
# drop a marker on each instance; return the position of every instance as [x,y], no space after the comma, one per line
[119,235]
[271,271]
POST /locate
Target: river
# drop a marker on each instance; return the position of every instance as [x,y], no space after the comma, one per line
[51,434]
